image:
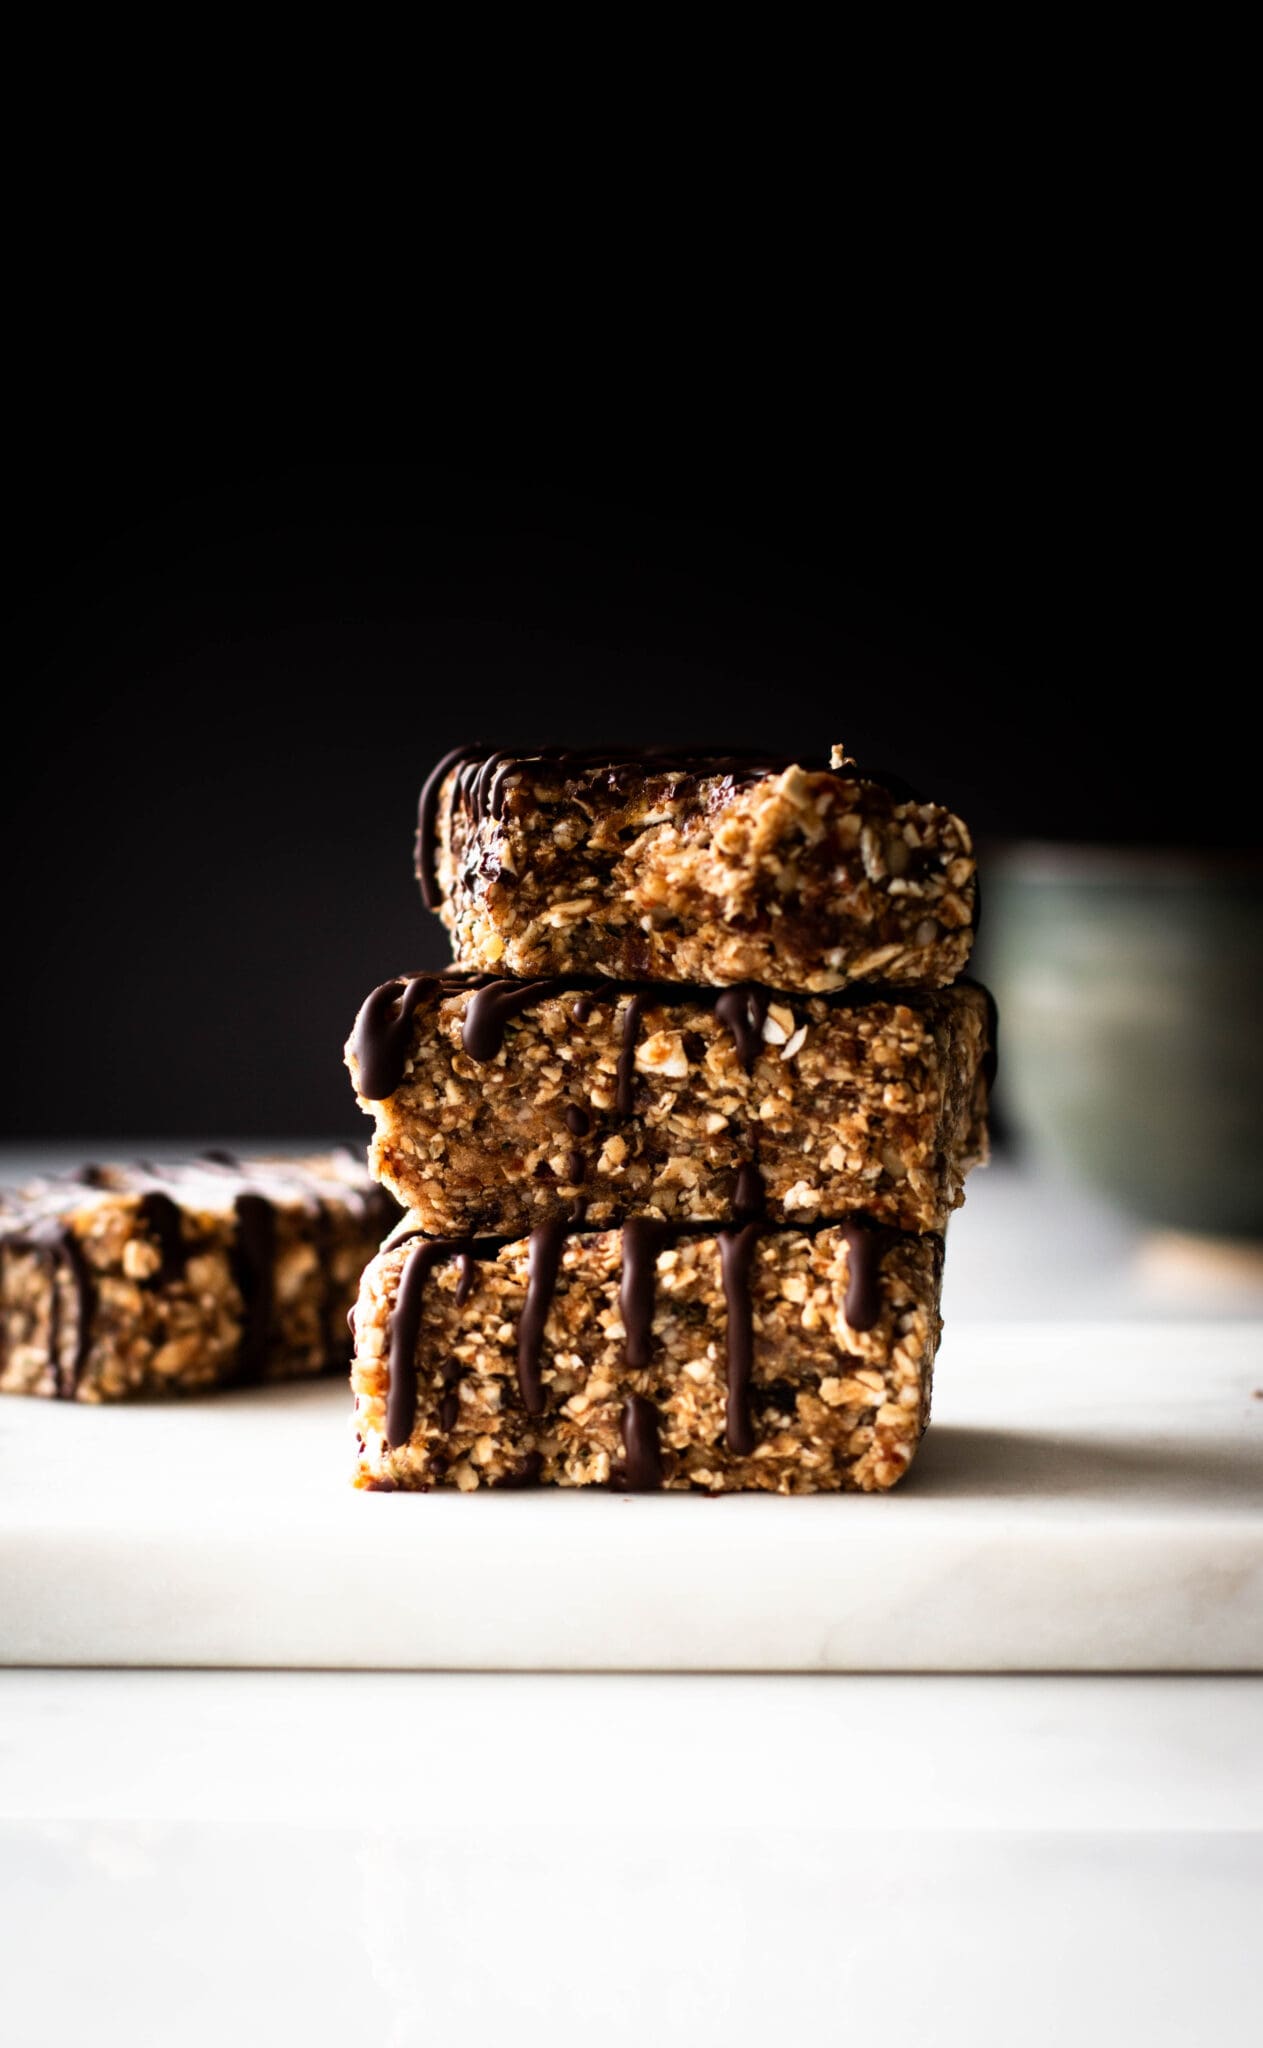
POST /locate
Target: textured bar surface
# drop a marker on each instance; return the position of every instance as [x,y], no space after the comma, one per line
[785,1361]
[129,1280]
[715,872]
[509,1104]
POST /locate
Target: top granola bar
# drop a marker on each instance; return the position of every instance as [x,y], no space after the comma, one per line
[690,867]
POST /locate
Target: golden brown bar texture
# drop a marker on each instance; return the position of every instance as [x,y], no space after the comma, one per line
[503,1105]
[782,1361]
[216,1272]
[693,869]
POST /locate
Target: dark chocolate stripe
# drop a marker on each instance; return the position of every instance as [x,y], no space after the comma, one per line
[642,1469]
[254,1270]
[162,1218]
[749,1195]
[543,1261]
[736,1251]
[643,1237]
[427,818]
[381,1037]
[626,1075]
[865,1244]
[743,1010]
[405,1329]
[59,1251]
[490,1008]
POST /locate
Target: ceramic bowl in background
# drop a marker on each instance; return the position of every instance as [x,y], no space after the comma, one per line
[1130,988]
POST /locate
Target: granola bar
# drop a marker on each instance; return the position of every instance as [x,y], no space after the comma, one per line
[140,1280]
[655,1356]
[500,1105]
[693,868]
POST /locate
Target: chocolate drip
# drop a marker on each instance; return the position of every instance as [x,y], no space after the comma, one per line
[736,1251]
[405,1328]
[642,1470]
[743,1010]
[161,1217]
[543,1262]
[576,1169]
[627,1055]
[578,1122]
[489,1009]
[219,1155]
[427,815]
[59,1251]
[749,1194]
[254,1270]
[865,1244]
[643,1238]
[465,1284]
[381,1037]
[581,1009]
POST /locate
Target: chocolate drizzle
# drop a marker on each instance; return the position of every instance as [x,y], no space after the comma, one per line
[60,1253]
[736,1251]
[489,1009]
[623,1089]
[543,1261]
[578,1122]
[642,1469]
[749,1195]
[404,1330]
[254,1270]
[865,1244]
[427,819]
[744,1010]
[381,1037]
[643,1238]
[162,1218]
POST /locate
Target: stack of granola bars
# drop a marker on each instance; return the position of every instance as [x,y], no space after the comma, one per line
[679,1133]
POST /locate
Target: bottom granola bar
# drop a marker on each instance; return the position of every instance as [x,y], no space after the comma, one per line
[140,1280]
[653,1356]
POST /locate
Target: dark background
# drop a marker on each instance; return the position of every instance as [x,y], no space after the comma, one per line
[229,674]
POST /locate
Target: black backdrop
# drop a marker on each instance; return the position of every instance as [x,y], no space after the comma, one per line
[229,676]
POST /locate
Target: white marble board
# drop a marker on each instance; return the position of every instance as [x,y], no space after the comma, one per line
[1089,1498]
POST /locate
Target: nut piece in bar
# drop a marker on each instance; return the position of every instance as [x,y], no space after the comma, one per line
[217,1272]
[656,1356]
[500,1105]
[690,867]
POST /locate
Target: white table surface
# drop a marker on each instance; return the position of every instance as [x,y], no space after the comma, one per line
[194,1857]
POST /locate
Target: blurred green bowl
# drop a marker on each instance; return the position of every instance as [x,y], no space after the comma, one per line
[1130,988]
